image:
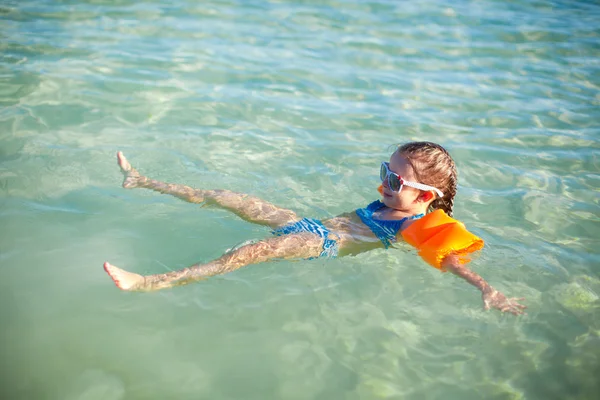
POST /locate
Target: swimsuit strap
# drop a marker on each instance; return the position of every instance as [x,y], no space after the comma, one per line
[385,230]
[374,206]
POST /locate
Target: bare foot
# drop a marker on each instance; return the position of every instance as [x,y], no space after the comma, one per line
[132,177]
[123,279]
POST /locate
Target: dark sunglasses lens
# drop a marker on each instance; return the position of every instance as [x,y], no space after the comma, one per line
[394,182]
[382,172]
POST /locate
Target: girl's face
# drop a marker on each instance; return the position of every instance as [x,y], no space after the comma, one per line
[407,198]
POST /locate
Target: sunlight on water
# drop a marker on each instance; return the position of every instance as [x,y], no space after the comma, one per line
[297,102]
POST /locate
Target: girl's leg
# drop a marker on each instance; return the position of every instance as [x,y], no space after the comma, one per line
[301,245]
[247,207]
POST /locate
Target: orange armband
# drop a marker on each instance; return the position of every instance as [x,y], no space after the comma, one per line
[437,235]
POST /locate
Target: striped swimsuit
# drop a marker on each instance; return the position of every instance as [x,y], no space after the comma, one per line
[330,247]
[385,230]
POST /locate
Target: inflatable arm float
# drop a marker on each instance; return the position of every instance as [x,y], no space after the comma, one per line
[437,235]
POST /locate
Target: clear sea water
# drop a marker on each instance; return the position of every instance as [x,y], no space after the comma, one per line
[296,102]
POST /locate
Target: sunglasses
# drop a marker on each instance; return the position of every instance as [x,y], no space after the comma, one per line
[395,181]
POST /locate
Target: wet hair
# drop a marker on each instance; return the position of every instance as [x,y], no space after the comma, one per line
[433,166]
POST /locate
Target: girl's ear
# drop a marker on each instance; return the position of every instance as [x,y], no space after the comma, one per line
[426,196]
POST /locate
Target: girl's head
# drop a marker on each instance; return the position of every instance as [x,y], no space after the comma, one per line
[426,163]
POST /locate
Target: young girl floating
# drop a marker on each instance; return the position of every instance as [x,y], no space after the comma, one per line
[418,189]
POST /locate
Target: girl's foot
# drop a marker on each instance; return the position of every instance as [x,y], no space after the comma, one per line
[132,177]
[123,279]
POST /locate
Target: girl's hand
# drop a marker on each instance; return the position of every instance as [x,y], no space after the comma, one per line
[493,298]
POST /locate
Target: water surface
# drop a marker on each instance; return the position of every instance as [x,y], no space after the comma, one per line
[296,102]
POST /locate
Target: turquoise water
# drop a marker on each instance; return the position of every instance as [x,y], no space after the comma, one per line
[296,102]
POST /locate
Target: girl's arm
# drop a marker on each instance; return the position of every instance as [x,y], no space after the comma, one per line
[491,297]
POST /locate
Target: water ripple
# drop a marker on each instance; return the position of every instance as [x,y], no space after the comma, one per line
[296,101]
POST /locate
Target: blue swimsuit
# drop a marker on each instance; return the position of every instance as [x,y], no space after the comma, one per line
[385,230]
[330,247]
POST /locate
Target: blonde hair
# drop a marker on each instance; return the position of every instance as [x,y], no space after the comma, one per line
[433,166]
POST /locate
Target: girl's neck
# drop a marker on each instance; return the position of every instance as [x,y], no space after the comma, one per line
[401,213]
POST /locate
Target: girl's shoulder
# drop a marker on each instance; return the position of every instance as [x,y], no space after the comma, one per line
[410,220]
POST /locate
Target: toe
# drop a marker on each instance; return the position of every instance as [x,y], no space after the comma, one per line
[123,163]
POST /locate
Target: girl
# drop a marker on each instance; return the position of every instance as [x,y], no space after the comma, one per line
[420,177]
